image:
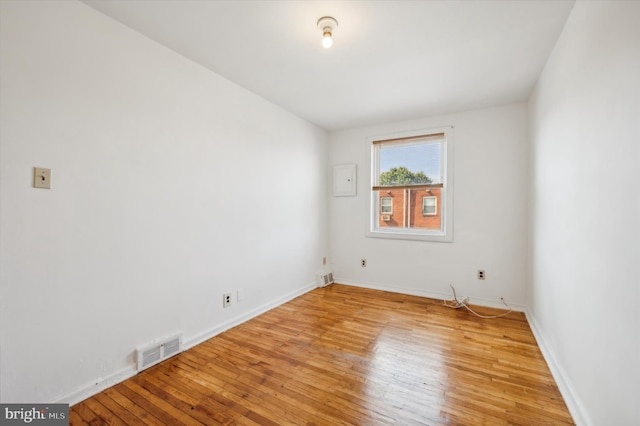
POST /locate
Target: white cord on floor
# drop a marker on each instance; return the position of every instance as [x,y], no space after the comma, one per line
[464,303]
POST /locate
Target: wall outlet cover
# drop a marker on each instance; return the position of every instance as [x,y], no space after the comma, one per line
[41,178]
[226,300]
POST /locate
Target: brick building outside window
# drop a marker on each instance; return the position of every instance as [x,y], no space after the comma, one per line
[410,207]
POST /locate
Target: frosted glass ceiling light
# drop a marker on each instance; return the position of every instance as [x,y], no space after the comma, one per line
[327,25]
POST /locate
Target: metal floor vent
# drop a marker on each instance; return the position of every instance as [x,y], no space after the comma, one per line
[325,279]
[159,351]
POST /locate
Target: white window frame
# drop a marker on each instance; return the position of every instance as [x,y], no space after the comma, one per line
[445,234]
[390,205]
[435,204]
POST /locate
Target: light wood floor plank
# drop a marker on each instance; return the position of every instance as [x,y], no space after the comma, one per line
[342,355]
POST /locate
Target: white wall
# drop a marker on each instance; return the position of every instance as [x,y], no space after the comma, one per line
[585,214]
[490,211]
[170,186]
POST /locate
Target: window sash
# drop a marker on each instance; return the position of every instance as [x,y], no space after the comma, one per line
[435,138]
[430,206]
[386,205]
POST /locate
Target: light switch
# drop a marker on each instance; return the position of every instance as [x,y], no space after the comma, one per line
[41,178]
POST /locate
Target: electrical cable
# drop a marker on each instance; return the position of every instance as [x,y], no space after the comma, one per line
[457,304]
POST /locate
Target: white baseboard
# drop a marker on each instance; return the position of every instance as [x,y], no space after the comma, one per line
[196,340]
[103,383]
[576,408]
[97,386]
[433,295]
[573,404]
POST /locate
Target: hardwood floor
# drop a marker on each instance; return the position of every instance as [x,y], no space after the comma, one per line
[346,356]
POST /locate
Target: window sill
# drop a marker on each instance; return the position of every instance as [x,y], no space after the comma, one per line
[435,236]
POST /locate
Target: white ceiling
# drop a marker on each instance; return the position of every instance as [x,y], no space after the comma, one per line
[391,60]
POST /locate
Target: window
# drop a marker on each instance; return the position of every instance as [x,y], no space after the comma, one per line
[429,206]
[414,168]
[386,205]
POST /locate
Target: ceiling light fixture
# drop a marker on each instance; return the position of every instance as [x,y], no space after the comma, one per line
[327,25]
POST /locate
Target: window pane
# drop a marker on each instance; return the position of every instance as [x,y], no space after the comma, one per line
[386,205]
[411,164]
[429,205]
[411,173]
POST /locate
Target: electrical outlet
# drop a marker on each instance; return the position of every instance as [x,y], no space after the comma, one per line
[226,300]
[324,261]
[481,274]
[363,263]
